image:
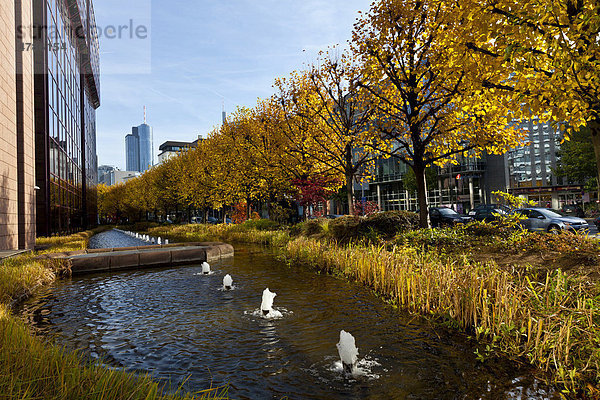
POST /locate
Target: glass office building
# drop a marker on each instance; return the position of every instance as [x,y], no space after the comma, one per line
[132,151]
[146,151]
[529,169]
[459,186]
[66,98]
[525,171]
[139,153]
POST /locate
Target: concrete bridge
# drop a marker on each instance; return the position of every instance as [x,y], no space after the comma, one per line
[131,258]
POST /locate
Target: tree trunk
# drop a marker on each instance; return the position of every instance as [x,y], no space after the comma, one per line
[248,208]
[349,179]
[594,126]
[421,195]
[349,188]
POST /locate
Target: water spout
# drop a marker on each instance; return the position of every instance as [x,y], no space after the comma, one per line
[166,241]
[205,268]
[227,282]
[267,301]
[158,240]
[348,351]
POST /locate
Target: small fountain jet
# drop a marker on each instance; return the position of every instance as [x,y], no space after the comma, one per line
[205,268]
[267,301]
[227,282]
[348,351]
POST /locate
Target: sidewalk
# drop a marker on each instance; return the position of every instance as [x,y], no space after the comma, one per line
[11,253]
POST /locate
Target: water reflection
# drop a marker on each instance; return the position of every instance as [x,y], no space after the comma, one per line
[179,324]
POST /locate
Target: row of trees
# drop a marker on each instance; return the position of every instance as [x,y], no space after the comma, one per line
[423,81]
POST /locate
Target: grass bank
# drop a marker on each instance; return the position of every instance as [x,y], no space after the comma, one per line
[544,316]
[32,368]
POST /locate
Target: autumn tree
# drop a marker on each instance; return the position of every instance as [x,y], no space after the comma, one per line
[428,108]
[245,152]
[197,186]
[326,97]
[545,54]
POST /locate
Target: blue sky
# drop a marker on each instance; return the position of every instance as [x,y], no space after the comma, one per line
[200,53]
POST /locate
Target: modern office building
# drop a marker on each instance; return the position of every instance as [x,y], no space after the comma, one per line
[171,148]
[461,186]
[103,170]
[524,171]
[49,70]
[144,133]
[529,170]
[67,94]
[132,152]
[109,175]
[139,152]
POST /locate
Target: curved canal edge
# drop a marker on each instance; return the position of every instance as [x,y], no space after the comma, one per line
[140,257]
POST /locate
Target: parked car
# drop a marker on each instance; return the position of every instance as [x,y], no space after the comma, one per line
[440,216]
[572,210]
[333,216]
[488,212]
[597,222]
[547,220]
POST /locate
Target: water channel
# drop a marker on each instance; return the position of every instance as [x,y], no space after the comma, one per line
[180,325]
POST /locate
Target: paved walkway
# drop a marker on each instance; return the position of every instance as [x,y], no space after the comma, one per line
[11,253]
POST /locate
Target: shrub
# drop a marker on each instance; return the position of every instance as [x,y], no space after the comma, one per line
[565,242]
[491,230]
[307,228]
[345,229]
[261,224]
[439,238]
[389,223]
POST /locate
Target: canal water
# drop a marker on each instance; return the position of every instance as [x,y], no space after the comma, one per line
[182,327]
[114,238]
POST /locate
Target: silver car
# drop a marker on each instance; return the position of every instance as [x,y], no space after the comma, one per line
[546,220]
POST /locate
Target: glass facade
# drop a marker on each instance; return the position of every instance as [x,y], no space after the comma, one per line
[139,153]
[389,190]
[531,166]
[146,150]
[132,152]
[66,166]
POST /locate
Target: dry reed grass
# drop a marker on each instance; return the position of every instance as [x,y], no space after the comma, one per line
[553,323]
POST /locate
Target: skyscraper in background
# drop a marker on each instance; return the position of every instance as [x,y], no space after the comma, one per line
[132,151]
[139,152]
[144,132]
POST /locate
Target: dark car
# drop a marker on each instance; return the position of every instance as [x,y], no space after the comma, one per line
[488,212]
[547,220]
[440,216]
[572,210]
[597,222]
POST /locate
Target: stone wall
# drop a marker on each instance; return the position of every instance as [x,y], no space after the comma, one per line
[17,195]
[8,129]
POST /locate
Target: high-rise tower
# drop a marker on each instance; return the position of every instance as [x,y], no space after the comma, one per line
[138,147]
